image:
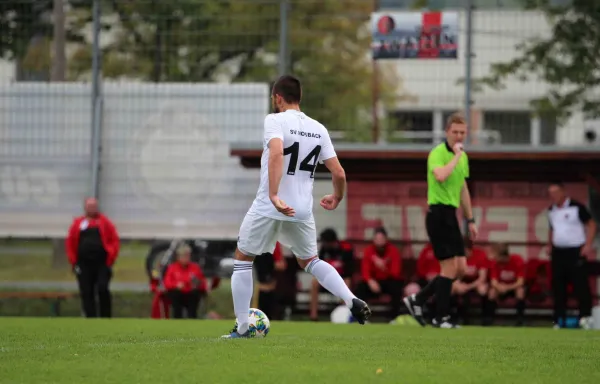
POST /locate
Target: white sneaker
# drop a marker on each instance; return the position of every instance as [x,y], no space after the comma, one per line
[445,323]
[586,323]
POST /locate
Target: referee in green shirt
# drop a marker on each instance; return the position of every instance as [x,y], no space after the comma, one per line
[447,169]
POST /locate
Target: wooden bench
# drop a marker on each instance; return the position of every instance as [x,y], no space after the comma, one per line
[55,298]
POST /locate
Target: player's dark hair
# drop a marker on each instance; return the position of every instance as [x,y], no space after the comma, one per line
[328,235]
[289,88]
[380,230]
[500,249]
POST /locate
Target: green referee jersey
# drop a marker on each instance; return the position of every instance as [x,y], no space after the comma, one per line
[447,192]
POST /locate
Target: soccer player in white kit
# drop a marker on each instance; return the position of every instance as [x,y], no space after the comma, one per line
[293,145]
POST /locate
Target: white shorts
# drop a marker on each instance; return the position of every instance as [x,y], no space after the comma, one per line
[259,234]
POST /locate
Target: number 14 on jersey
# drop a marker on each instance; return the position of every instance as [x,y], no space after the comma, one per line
[309,164]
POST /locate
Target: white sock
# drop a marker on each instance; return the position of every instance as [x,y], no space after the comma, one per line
[329,278]
[242,289]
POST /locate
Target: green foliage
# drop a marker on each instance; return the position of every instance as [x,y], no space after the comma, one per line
[567,60]
[238,40]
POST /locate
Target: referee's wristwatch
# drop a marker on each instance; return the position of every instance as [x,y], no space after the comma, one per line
[471,221]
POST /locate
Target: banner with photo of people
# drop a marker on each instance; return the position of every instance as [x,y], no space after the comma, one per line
[414,35]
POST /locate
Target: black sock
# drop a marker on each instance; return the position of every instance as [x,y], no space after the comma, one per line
[520,310]
[443,291]
[425,293]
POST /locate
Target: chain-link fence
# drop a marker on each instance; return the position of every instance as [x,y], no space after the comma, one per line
[139,101]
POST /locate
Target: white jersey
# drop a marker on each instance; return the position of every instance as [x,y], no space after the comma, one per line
[305,142]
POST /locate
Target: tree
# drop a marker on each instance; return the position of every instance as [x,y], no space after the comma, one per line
[567,60]
[238,40]
[26,36]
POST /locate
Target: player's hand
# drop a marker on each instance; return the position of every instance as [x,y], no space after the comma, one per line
[501,288]
[282,207]
[374,286]
[587,251]
[329,202]
[379,263]
[458,148]
[473,231]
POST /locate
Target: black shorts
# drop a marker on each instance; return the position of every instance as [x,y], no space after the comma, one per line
[444,232]
[264,266]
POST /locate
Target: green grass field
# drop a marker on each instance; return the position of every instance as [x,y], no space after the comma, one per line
[142,351]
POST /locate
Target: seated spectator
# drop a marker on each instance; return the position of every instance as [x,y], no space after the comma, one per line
[428,266]
[185,283]
[266,266]
[473,283]
[537,280]
[381,271]
[340,255]
[507,275]
[160,301]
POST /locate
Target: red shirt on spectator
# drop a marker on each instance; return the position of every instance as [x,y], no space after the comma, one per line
[178,273]
[476,262]
[538,275]
[277,253]
[378,267]
[427,265]
[509,271]
[108,235]
[341,258]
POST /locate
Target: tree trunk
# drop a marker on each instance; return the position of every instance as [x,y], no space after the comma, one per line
[59,60]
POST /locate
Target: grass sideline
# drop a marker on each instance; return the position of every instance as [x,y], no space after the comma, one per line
[125,304]
[139,351]
[23,260]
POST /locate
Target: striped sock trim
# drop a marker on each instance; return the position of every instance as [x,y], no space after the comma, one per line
[241,266]
[311,265]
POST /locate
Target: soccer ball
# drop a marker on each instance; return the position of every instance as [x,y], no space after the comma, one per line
[259,325]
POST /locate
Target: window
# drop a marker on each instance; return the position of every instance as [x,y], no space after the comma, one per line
[514,127]
[411,127]
[548,128]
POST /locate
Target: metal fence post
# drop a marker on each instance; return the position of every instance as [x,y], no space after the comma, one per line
[96,102]
[283,37]
[468,65]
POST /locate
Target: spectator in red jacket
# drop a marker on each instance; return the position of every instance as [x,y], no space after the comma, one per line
[381,271]
[340,254]
[474,282]
[507,279]
[185,284]
[428,266]
[537,280]
[92,247]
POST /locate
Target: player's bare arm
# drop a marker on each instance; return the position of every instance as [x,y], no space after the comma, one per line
[517,284]
[338,175]
[442,173]
[275,175]
[465,203]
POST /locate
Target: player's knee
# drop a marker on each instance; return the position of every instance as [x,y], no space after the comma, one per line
[448,268]
[241,256]
[492,294]
[303,263]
